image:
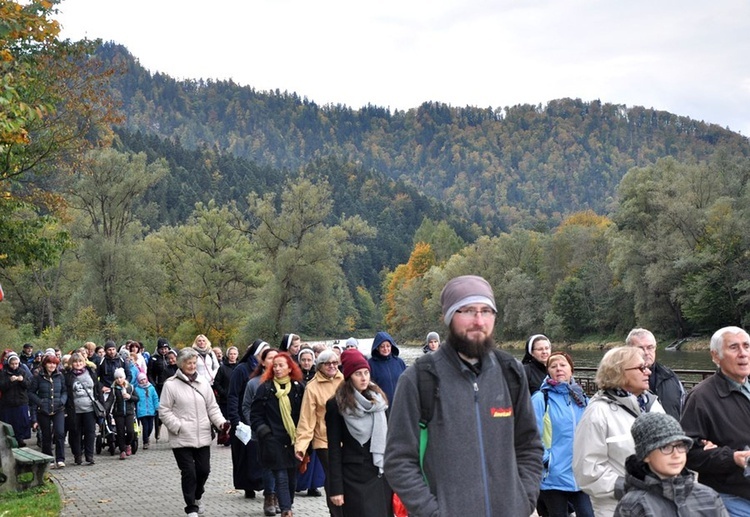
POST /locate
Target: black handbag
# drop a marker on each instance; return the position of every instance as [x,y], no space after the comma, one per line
[98,406]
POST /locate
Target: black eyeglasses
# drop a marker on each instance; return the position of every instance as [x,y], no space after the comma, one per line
[472,312]
[671,447]
[642,368]
[331,363]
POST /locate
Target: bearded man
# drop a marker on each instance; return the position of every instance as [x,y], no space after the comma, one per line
[484,455]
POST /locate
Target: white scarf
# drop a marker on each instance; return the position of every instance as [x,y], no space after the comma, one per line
[367,422]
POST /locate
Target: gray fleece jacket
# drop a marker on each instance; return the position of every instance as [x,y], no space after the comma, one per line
[482,459]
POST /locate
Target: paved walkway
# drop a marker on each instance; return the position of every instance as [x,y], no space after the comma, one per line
[148,484]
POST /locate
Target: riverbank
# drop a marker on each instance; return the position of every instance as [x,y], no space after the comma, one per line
[693,344]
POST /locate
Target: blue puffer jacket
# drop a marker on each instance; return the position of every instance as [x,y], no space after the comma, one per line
[148,401]
[385,370]
[564,415]
[48,394]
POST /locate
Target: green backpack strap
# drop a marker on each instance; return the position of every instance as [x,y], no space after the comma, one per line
[429,391]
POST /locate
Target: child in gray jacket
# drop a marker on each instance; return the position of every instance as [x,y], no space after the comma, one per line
[657,483]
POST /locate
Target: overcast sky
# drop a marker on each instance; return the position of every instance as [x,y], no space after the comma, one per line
[688,57]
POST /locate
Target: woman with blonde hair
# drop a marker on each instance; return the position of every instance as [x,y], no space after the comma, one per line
[602,440]
[208,364]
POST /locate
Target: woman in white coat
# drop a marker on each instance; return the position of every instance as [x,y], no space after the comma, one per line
[187,408]
[207,362]
[602,439]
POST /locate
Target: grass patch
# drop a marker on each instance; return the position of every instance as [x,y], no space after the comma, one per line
[41,501]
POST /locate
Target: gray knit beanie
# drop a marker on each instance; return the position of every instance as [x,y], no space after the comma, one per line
[653,430]
[464,290]
[431,336]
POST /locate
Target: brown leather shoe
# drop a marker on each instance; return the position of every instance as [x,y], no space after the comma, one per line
[269,510]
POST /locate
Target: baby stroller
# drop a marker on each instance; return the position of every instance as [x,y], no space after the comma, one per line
[107,436]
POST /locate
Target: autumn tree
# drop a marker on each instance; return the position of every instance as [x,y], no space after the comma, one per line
[54,103]
[586,295]
[397,288]
[443,239]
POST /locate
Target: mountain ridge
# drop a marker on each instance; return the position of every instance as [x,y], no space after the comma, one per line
[500,168]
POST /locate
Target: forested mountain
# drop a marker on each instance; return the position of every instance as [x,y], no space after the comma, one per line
[525,165]
[394,209]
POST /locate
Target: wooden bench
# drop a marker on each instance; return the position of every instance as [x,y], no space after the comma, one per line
[20,467]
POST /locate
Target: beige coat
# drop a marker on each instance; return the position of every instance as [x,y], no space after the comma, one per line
[187,410]
[312,420]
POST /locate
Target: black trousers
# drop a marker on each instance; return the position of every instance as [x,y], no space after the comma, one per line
[125,426]
[83,424]
[53,429]
[195,466]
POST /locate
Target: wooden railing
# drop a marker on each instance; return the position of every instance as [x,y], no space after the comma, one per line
[585,377]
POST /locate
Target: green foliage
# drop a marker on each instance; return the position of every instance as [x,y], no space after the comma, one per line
[85,326]
[103,195]
[211,267]
[185,334]
[682,246]
[443,239]
[26,237]
[368,315]
[303,255]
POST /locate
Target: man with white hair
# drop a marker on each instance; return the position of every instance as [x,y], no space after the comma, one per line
[483,456]
[718,411]
[663,381]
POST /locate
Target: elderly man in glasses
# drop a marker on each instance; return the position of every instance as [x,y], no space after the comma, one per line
[483,455]
[717,411]
[662,381]
[312,420]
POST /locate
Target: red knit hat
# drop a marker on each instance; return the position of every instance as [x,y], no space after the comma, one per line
[353,360]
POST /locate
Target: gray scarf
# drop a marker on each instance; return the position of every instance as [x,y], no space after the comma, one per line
[367,423]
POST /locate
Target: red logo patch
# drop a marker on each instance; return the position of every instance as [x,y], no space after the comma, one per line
[501,412]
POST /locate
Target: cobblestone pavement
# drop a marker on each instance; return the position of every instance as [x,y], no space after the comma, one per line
[148,484]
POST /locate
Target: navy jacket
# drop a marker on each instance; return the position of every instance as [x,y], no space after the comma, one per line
[385,370]
[48,394]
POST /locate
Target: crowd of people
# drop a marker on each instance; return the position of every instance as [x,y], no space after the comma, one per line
[466,430]
[74,397]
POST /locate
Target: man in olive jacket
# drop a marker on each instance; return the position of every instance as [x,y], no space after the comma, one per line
[484,455]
